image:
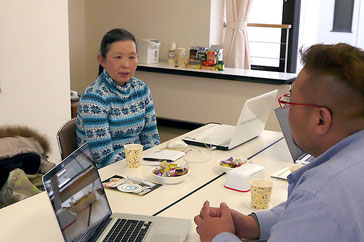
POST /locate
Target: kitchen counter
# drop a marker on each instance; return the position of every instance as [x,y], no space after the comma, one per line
[268,77]
[203,96]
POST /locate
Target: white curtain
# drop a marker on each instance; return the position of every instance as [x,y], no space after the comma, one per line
[236,45]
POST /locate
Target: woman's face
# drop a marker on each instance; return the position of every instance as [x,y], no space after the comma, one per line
[121,61]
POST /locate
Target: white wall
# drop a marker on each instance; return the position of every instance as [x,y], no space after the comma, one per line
[360,27]
[34,66]
[325,24]
[77,51]
[310,11]
[203,100]
[185,22]
[316,23]
[217,18]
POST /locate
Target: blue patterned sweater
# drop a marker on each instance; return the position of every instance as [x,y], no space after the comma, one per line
[110,116]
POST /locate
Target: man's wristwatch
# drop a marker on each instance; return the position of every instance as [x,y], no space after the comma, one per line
[255,217]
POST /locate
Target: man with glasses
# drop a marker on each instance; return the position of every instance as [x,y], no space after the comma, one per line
[326,197]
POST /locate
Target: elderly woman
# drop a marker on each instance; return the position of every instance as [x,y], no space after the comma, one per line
[117,108]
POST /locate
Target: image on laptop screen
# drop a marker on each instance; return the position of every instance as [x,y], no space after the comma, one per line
[77,195]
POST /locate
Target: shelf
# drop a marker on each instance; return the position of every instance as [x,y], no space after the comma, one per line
[265,77]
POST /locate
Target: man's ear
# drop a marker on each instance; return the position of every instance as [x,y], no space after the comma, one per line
[324,120]
[101,60]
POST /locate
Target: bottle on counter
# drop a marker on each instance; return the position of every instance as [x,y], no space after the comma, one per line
[220,65]
[172,54]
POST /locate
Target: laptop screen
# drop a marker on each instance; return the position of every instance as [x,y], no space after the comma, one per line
[253,118]
[282,116]
[76,194]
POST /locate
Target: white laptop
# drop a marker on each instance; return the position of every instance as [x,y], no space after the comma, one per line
[251,123]
[83,212]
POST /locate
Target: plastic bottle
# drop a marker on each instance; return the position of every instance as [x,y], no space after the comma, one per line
[220,65]
[172,54]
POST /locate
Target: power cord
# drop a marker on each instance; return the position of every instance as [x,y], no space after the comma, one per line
[208,145]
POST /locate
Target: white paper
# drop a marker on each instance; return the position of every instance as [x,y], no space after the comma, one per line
[160,155]
[282,173]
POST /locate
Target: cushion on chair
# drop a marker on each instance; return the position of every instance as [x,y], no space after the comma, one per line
[67,138]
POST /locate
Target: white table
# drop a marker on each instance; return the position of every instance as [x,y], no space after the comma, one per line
[33,219]
[200,174]
[273,159]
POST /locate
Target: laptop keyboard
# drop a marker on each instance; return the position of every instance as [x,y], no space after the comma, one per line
[128,230]
[217,135]
[305,159]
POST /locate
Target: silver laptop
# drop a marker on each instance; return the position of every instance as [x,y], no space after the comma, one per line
[83,212]
[298,155]
[251,123]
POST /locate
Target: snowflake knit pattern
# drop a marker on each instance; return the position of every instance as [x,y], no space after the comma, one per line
[110,116]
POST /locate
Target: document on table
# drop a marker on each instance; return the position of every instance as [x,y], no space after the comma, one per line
[282,173]
[154,158]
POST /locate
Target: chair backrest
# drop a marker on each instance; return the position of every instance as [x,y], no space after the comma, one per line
[67,138]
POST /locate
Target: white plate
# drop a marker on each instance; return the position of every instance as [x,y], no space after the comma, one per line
[225,168]
[169,180]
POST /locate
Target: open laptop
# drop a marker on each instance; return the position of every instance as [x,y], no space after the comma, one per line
[83,212]
[298,155]
[251,123]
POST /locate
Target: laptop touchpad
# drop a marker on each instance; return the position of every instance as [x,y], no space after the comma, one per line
[165,238]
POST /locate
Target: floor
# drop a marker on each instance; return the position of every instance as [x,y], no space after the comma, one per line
[167,132]
[169,129]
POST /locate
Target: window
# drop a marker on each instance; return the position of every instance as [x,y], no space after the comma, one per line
[343,15]
[264,42]
[274,48]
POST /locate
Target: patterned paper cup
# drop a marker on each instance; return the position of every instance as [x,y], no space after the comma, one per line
[261,191]
[133,155]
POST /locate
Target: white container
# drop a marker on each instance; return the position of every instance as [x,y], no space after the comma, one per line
[239,178]
[148,51]
[180,57]
[172,54]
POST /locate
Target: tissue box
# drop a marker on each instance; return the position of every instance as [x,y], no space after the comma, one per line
[239,178]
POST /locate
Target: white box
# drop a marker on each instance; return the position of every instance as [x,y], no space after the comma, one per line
[239,178]
[148,51]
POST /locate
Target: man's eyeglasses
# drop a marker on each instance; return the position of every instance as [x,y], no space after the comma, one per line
[285,102]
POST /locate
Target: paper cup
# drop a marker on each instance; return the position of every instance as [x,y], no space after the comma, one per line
[133,155]
[294,167]
[261,191]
